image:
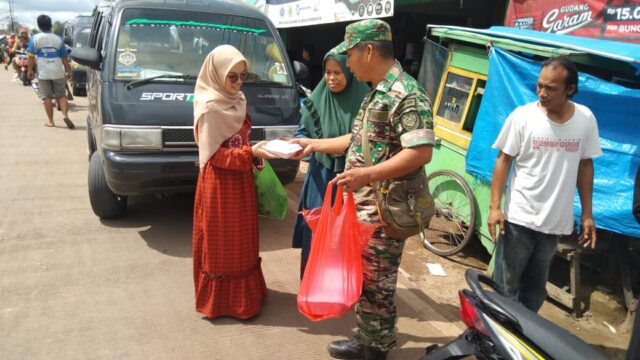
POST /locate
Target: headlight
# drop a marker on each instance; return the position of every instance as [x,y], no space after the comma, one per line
[272,134]
[111,138]
[131,138]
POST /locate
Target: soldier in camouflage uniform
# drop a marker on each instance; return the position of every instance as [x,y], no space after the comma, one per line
[400,131]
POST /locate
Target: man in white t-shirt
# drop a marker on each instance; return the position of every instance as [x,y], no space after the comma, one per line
[49,51]
[551,144]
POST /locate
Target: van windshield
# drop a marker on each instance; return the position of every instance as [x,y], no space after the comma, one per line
[152,42]
[81,37]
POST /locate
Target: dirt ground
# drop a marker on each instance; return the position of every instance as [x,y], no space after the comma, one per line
[603,326]
[611,339]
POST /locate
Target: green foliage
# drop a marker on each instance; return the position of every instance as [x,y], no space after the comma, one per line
[57,28]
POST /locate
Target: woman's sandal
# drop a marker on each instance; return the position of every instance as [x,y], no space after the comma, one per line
[49,125]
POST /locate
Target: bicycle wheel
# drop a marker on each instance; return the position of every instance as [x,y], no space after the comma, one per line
[454,221]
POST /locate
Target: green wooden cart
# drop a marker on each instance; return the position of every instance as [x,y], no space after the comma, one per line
[462,200]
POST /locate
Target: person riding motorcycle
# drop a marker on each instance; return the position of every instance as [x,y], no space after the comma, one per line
[11,41]
[21,44]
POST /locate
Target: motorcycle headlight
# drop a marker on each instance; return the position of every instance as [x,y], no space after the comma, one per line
[131,138]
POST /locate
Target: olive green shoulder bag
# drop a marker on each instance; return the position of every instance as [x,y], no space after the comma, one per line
[405,204]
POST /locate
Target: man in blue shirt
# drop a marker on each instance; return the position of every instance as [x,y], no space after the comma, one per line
[53,69]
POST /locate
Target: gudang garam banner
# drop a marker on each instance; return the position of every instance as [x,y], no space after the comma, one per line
[293,13]
[601,19]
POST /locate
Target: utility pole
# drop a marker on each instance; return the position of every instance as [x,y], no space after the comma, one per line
[12,22]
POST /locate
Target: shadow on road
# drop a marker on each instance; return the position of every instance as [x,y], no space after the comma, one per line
[280,311]
[474,255]
[168,222]
[448,311]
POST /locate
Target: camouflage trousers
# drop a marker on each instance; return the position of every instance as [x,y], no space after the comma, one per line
[376,308]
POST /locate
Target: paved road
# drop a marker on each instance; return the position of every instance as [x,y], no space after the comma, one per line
[75,287]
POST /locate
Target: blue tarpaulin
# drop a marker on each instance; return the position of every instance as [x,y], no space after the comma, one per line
[607,48]
[512,82]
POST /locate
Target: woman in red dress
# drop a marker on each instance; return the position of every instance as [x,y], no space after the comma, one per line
[226,264]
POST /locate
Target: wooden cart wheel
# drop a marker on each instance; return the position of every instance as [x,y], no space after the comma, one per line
[454,221]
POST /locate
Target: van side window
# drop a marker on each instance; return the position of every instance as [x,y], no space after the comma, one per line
[94,30]
[102,36]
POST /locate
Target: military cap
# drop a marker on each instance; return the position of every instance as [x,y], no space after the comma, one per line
[364,30]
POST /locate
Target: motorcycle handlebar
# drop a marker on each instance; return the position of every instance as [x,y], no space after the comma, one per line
[474,278]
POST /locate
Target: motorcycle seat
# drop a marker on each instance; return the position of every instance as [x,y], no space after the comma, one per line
[547,336]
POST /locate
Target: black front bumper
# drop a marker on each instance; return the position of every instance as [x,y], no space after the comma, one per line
[136,173]
[148,173]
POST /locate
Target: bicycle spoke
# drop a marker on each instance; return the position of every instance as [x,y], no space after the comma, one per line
[454,219]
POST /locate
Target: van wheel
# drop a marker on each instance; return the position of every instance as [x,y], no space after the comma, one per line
[91,145]
[287,176]
[105,204]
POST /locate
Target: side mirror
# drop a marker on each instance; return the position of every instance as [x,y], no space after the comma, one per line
[87,57]
[300,70]
[68,40]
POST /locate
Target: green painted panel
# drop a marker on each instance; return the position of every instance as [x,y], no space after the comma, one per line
[470,59]
[447,156]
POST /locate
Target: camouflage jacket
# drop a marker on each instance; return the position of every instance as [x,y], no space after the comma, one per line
[399,116]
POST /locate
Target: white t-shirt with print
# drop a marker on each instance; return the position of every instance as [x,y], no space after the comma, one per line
[545,165]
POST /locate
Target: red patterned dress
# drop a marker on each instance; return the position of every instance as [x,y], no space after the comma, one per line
[226,264]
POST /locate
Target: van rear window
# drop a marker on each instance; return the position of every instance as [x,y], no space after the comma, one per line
[152,42]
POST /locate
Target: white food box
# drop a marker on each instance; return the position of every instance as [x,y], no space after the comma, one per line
[281,148]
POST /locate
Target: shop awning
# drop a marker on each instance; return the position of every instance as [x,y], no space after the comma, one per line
[512,38]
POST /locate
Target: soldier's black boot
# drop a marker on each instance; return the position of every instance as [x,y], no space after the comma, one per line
[371,353]
[346,349]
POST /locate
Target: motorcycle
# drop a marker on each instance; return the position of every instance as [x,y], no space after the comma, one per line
[500,328]
[303,91]
[301,72]
[22,66]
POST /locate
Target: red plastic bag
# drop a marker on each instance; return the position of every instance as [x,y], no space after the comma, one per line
[332,280]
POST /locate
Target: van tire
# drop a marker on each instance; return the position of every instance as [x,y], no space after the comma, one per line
[287,176]
[105,204]
[91,144]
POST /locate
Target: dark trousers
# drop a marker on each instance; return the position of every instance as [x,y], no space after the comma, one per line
[523,258]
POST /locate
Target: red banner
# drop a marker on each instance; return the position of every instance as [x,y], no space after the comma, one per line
[601,19]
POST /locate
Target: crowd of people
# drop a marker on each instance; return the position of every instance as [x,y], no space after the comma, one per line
[366,93]
[47,57]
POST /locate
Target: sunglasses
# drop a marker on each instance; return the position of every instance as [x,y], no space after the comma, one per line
[233,77]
